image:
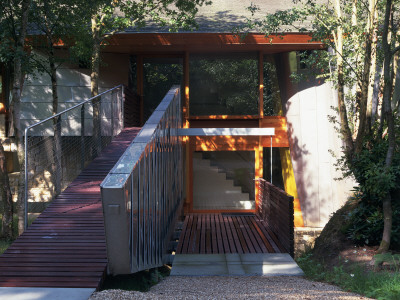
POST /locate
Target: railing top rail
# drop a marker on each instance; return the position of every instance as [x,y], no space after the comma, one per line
[118,175]
[71,108]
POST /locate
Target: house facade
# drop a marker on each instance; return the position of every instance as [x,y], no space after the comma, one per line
[226,82]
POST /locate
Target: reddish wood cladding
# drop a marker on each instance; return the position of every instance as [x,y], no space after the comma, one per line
[275,209]
[215,233]
[65,246]
[225,117]
[223,123]
[202,42]
[229,143]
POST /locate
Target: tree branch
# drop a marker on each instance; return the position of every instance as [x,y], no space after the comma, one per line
[395,50]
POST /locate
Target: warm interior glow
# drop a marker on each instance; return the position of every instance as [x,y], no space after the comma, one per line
[2,108]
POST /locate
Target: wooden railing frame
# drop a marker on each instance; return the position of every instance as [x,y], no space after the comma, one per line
[275,208]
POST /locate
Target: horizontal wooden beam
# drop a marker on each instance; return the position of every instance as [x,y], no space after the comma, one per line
[206,42]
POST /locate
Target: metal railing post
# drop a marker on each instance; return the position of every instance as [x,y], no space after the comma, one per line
[83,136]
[271,158]
[26,178]
[112,113]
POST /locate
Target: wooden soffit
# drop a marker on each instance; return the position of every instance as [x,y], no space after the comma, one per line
[208,42]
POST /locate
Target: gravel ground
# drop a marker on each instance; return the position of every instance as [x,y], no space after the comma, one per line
[223,287]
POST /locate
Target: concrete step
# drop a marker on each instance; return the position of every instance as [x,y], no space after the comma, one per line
[257,264]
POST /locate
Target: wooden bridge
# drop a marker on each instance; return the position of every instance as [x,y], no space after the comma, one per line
[65,246]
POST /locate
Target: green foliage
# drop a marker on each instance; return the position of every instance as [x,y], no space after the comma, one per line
[377,285]
[158,79]
[392,259]
[228,82]
[10,24]
[369,170]
[4,244]
[365,224]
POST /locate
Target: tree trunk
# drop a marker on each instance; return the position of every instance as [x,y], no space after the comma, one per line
[94,83]
[56,164]
[344,124]
[6,197]
[57,168]
[16,111]
[387,224]
[367,78]
[372,73]
[387,205]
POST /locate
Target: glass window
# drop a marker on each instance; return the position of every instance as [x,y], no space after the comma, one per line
[277,178]
[160,74]
[271,93]
[223,84]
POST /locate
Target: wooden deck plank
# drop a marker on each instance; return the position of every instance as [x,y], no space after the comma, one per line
[266,246]
[268,236]
[251,235]
[208,234]
[220,240]
[65,245]
[214,234]
[241,236]
[227,236]
[217,233]
[185,230]
[195,237]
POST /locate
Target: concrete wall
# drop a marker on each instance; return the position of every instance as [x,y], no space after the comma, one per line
[73,87]
[307,106]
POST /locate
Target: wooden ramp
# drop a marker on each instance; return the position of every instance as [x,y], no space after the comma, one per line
[65,246]
[226,233]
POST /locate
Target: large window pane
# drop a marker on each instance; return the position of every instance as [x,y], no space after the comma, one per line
[160,74]
[223,180]
[277,178]
[271,98]
[223,84]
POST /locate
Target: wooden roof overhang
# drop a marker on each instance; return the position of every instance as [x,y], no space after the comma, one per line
[145,43]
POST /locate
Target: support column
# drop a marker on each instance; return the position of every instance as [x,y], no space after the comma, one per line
[140,88]
[261,85]
[258,170]
[188,207]
[186,92]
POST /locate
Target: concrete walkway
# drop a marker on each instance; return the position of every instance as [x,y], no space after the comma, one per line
[41,293]
[254,264]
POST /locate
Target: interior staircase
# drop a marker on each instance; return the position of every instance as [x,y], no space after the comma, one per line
[213,191]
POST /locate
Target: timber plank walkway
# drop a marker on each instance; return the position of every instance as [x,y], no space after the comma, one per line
[65,246]
[219,233]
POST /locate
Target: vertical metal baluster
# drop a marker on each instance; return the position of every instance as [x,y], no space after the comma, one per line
[113,96]
[271,159]
[83,136]
[26,178]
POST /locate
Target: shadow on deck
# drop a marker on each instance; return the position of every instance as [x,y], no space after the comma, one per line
[65,246]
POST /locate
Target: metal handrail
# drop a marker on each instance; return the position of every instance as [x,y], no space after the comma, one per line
[143,193]
[42,122]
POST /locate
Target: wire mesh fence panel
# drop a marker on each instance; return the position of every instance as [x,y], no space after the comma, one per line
[58,148]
